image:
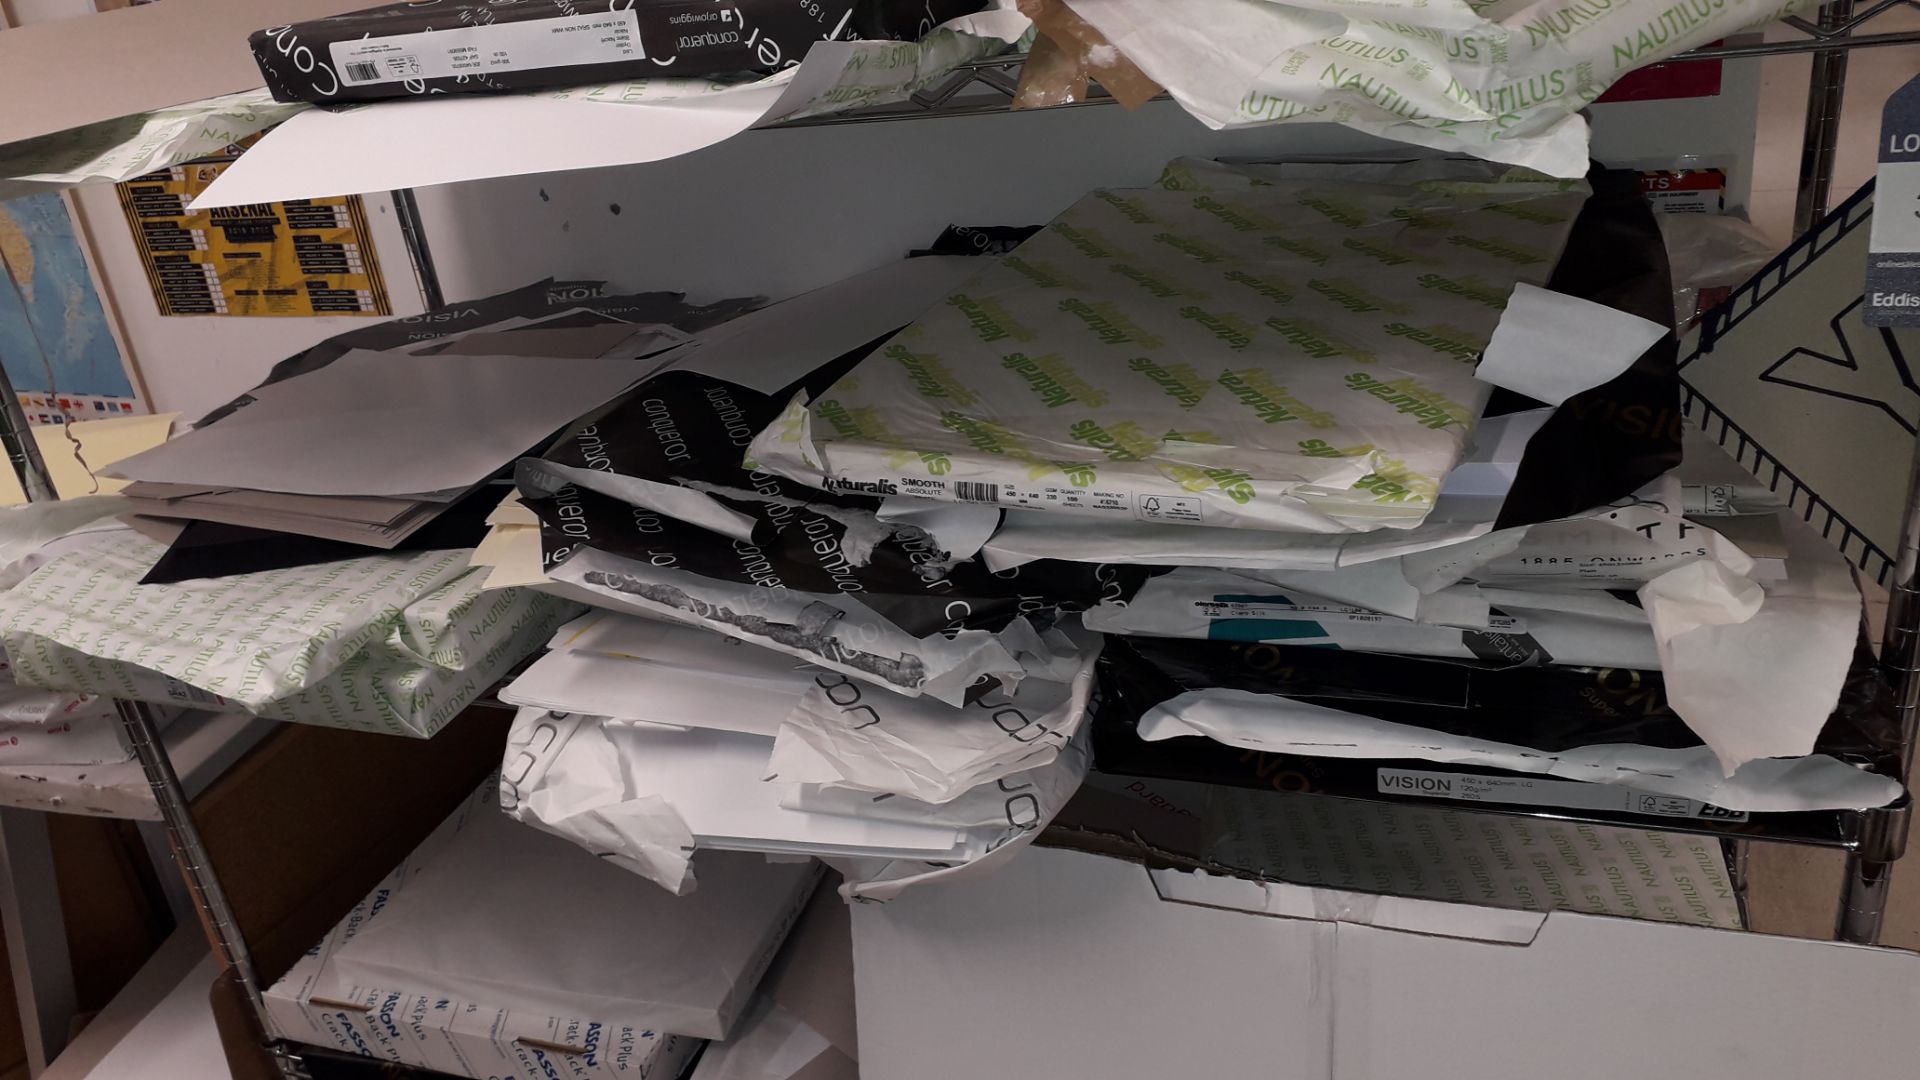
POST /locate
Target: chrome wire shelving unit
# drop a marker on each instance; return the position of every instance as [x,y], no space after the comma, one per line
[1873,839]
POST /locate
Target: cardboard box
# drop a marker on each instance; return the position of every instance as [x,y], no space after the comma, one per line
[1070,963]
[472,46]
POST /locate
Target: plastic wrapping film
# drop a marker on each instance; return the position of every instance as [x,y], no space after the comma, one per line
[1503,81]
[1608,727]
[394,644]
[132,146]
[646,506]
[1328,328]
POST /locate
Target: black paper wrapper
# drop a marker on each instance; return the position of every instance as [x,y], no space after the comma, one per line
[1603,444]
[686,429]
[1547,708]
[502,47]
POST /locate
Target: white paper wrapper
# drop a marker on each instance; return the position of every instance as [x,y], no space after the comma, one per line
[1293,356]
[844,734]
[1223,605]
[836,632]
[1503,81]
[1280,725]
[390,643]
[1756,670]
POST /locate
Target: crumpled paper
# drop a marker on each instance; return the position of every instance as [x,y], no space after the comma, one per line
[1756,672]
[1503,81]
[846,735]
[1029,812]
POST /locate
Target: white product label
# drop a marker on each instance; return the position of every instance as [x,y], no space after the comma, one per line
[486,50]
[1219,608]
[1707,500]
[1572,794]
[1144,507]
[180,691]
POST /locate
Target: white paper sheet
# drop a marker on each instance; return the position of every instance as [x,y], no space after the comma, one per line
[1282,725]
[836,632]
[575,682]
[365,425]
[454,137]
[1761,686]
[1551,346]
[645,796]
[768,348]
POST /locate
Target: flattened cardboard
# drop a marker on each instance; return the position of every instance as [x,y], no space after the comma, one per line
[1227,977]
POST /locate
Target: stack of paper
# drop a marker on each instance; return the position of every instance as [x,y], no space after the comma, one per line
[385,436]
[648,506]
[401,976]
[645,742]
[396,643]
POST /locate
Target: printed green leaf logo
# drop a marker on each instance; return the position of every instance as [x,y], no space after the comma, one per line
[1201,252]
[1153,285]
[1471,286]
[1108,324]
[929,375]
[1086,241]
[1179,381]
[1354,297]
[989,319]
[1273,403]
[1129,208]
[1237,218]
[1122,442]
[1232,329]
[1499,249]
[1307,250]
[1441,338]
[1412,398]
[1053,381]
[1042,274]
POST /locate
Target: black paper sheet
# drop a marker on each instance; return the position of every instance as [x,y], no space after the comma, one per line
[686,429]
[1605,443]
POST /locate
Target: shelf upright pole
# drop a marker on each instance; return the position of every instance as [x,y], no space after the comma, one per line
[1826,89]
[1883,833]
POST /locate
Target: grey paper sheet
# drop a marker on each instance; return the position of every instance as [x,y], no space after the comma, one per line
[372,423]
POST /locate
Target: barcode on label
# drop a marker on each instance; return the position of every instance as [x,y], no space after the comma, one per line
[362,71]
[976,491]
[180,691]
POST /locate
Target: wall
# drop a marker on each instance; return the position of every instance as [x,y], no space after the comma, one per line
[778,212]
[191,364]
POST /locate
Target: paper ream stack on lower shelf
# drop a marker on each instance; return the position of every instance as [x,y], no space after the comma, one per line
[401,978]
[718,745]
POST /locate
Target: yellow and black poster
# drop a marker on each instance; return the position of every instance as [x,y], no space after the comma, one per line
[306,257]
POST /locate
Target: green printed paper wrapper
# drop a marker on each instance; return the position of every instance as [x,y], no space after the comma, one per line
[396,644]
[1294,356]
